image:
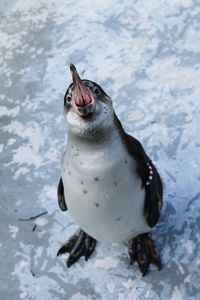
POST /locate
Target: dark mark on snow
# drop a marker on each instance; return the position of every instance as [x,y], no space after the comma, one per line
[33,218]
[34,227]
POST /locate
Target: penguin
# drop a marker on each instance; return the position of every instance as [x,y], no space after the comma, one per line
[108,184]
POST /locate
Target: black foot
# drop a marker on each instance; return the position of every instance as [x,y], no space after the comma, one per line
[144,252]
[80,244]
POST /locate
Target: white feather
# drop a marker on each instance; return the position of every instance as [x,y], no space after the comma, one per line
[102,189]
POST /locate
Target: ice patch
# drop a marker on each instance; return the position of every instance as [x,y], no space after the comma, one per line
[111,287]
[23,295]
[26,155]
[20,171]
[133,295]
[11,142]
[189,245]
[41,221]
[188,278]
[50,191]
[4,111]
[79,296]
[180,267]
[167,70]
[106,263]
[128,284]
[13,230]
[31,131]
[176,295]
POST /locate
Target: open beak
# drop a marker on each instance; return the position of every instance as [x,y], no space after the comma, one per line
[81,94]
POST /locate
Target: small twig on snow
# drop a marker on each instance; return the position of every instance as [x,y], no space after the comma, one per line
[33,218]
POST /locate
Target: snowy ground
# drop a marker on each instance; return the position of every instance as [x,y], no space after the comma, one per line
[146,55]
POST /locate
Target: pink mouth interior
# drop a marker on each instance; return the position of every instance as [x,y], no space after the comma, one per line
[82,96]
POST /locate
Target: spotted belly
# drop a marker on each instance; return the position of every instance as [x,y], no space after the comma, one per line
[107,204]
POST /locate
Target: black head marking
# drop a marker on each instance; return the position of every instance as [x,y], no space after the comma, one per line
[67,97]
[94,87]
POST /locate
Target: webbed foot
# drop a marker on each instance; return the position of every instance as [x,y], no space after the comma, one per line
[80,244]
[142,250]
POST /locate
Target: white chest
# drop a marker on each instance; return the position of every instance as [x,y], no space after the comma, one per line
[103,191]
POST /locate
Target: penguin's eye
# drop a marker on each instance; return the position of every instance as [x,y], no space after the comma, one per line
[96,90]
[69,98]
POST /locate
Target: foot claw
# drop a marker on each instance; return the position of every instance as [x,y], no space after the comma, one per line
[69,262]
[143,251]
[158,264]
[72,259]
[68,246]
[78,245]
[144,271]
[89,247]
[132,251]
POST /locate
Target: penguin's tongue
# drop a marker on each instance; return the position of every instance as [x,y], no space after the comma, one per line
[81,94]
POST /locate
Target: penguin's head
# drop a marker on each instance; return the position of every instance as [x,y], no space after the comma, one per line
[88,109]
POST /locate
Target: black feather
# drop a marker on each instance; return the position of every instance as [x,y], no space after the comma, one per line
[61,196]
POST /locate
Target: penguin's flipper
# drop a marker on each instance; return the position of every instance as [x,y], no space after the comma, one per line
[154,190]
[61,196]
[153,198]
[80,244]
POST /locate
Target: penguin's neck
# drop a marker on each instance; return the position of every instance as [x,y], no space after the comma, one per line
[109,144]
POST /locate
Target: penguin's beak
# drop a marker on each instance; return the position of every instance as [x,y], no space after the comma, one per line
[81,94]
